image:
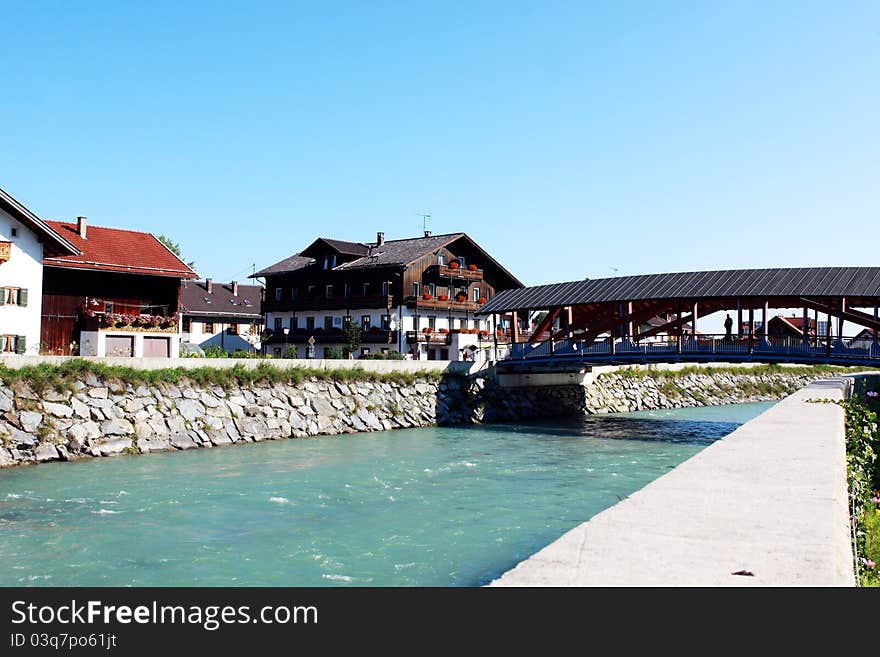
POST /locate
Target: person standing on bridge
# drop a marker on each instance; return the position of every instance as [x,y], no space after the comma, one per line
[728,328]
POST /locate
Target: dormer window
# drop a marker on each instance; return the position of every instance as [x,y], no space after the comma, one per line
[441,260]
[326,262]
[461,261]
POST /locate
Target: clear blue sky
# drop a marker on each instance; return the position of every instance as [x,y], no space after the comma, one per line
[566,137]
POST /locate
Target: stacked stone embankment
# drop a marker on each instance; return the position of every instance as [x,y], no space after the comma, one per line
[102,418]
[626,392]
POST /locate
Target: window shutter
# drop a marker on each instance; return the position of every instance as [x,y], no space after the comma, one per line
[22,297]
[2,296]
[20,344]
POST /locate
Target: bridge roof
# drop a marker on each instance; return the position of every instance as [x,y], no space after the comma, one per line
[853,282]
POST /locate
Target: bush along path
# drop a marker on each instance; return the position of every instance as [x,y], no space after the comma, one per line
[863,471]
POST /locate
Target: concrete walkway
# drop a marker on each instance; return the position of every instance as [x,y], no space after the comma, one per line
[769,499]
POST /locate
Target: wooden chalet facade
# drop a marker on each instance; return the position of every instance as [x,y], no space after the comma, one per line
[416,296]
[119,297]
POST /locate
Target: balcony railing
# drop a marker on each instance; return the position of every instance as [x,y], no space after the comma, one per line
[414,337]
[435,303]
[445,272]
[338,302]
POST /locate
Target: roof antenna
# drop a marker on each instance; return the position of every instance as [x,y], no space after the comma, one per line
[613,269]
[425,219]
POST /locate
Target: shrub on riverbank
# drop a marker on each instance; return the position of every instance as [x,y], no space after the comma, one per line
[863,473]
[60,377]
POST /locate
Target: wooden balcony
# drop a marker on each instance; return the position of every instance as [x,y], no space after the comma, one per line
[420,303]
[433,338]
[355,301]
[445,273]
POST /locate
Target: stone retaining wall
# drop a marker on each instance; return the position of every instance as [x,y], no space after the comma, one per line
[626,392]
[102,418]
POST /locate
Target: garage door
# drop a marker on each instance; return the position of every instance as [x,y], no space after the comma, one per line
[156,347]
[119,345]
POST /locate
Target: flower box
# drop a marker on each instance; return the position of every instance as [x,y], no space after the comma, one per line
[454,264]
[426,296]
[443,330]
[472,267]
[481,300]
[443,297]
[461,298]
[427,331]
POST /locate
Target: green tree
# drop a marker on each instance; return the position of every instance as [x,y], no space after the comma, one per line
[351,338]
[174,247]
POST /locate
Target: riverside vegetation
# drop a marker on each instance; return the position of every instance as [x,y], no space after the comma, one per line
[84,408]
[863,469]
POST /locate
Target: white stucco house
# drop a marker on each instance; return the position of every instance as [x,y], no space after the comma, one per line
[25,240]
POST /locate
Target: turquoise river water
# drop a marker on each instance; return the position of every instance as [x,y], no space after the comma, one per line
[418,507]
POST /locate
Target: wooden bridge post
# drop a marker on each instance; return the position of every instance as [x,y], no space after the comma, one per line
[739,318]
[804,329]
[751,330]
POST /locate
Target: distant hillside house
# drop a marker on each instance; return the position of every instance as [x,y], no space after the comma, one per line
[224,314]
[119,297]
[416,296]
[25,240]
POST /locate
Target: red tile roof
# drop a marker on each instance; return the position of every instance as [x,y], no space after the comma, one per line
[116,249]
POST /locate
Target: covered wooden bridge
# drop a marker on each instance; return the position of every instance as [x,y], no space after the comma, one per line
[656,317]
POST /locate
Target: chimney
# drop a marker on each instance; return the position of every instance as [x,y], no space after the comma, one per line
[81,226]
[235,288]
[210,285]
[380,238]
[427,233]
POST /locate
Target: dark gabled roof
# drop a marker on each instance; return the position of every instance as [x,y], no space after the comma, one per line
[118,250]
[54,244]
[293,263]
[391,253]
[348,248]
[195,300]
[781,282]
[400,252]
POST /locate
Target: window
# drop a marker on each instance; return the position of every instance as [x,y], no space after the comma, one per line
[232,329]
[432,322]
[476,294]
[346,320]
[417,289]
[278,351]
[386,322]
[444,354]
[108,308]
[277,325]
[294,323]
[347,289]
[14,231]
[277,294]
[365,351]
[366,322]
[441,260]
[432,289]
[310,324]
[310,292]
[326,262]
[385,350]
[328,323]
[333,261]
[328,291]
[384,288]
[461,261]
[186,325]
[293,294]
[209,327]
[366,289]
